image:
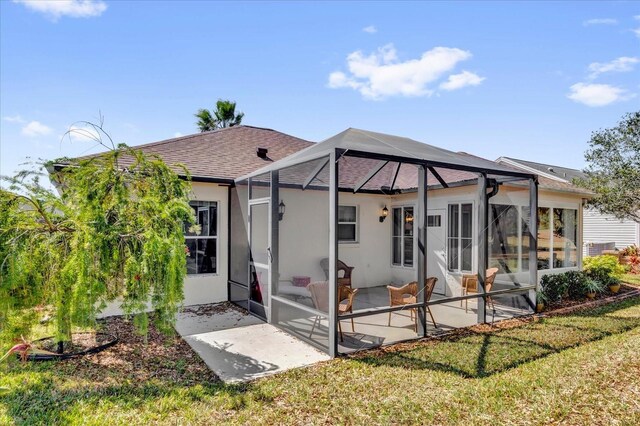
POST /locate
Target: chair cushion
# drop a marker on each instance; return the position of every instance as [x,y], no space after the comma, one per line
[288,288]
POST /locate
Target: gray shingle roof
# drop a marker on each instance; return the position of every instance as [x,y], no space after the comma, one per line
[224,154]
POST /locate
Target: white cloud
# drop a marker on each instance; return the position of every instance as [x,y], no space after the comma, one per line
[370,29]
[56,9]
[14,119]
[458,81]
[622,64]
[597,95]
[600,21]
[36,128]
[381,74]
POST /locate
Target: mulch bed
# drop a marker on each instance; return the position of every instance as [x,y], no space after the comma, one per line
[213,309]
[164,358]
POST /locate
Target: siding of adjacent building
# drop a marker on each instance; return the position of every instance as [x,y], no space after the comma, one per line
[599,228]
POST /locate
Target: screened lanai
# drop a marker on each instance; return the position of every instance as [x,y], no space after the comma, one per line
[367,239]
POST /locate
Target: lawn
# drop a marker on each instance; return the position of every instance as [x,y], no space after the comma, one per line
[633,279]
[581,368]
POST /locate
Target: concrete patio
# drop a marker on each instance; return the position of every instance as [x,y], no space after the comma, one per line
[374,330]
[239,347]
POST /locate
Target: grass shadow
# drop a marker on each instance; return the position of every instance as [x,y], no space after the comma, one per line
[482,354]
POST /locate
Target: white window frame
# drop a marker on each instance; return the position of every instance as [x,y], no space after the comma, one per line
[207,237]
[402,237]
[521,209]
[552,238]
[458,270]
[355,223]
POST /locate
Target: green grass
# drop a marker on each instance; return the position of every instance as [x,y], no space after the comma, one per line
[633,279]
[581,368]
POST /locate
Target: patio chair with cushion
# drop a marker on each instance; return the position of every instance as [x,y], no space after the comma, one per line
[470,285]
[320,297]
[345,279]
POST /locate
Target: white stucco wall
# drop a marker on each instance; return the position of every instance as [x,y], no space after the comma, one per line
[304,233]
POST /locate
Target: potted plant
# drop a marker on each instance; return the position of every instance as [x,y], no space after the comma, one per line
[613,284]
[591,287]
[541,299]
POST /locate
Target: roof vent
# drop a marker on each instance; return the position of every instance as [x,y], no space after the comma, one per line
[551,169]
[262,153]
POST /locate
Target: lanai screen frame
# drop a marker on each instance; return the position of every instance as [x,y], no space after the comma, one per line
[423,165]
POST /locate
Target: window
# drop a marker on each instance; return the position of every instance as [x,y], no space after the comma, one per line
[347,224]
[203,246]
[460,238]
[509,238]
[557,238]
[402,236]
[434,221]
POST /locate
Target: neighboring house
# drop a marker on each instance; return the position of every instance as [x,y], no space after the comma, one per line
[277,212]
[600,231]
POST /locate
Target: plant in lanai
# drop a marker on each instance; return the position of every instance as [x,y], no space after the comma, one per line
[113,231]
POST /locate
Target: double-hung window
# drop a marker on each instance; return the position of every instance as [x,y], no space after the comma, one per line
[402,236]
[348,224]
[460,238]
[202,240]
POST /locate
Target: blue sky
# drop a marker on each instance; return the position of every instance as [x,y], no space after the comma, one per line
[526,80]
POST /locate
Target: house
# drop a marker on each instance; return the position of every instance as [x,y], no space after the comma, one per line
[600,231]
[281,217]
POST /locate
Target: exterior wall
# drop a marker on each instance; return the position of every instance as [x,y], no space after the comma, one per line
[205,288]
[600,228]
[304,237]
[371,255]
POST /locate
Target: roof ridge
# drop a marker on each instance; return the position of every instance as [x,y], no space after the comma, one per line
[194,135]
[541,164]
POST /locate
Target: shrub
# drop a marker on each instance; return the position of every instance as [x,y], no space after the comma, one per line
[575,283]
[554,286]
[569,284]
[632,250]
[590,285]
[604,269]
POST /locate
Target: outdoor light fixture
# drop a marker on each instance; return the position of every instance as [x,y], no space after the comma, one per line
[408,218]
[281,209]
[384,214]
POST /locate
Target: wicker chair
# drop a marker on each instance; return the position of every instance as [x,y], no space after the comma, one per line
[430,284]
[345,279]
[408,294]
[320,297]
[345,304]
[470,285]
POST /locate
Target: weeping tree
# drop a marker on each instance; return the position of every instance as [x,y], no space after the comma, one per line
[112,231]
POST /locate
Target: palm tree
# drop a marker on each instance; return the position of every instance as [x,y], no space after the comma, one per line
[223,116]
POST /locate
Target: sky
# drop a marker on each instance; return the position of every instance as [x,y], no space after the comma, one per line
[523,80]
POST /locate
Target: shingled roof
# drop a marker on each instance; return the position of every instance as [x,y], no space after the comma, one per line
[224,154]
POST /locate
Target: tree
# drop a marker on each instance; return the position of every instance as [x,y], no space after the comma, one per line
[115,231]
[223,116]
[613,169]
